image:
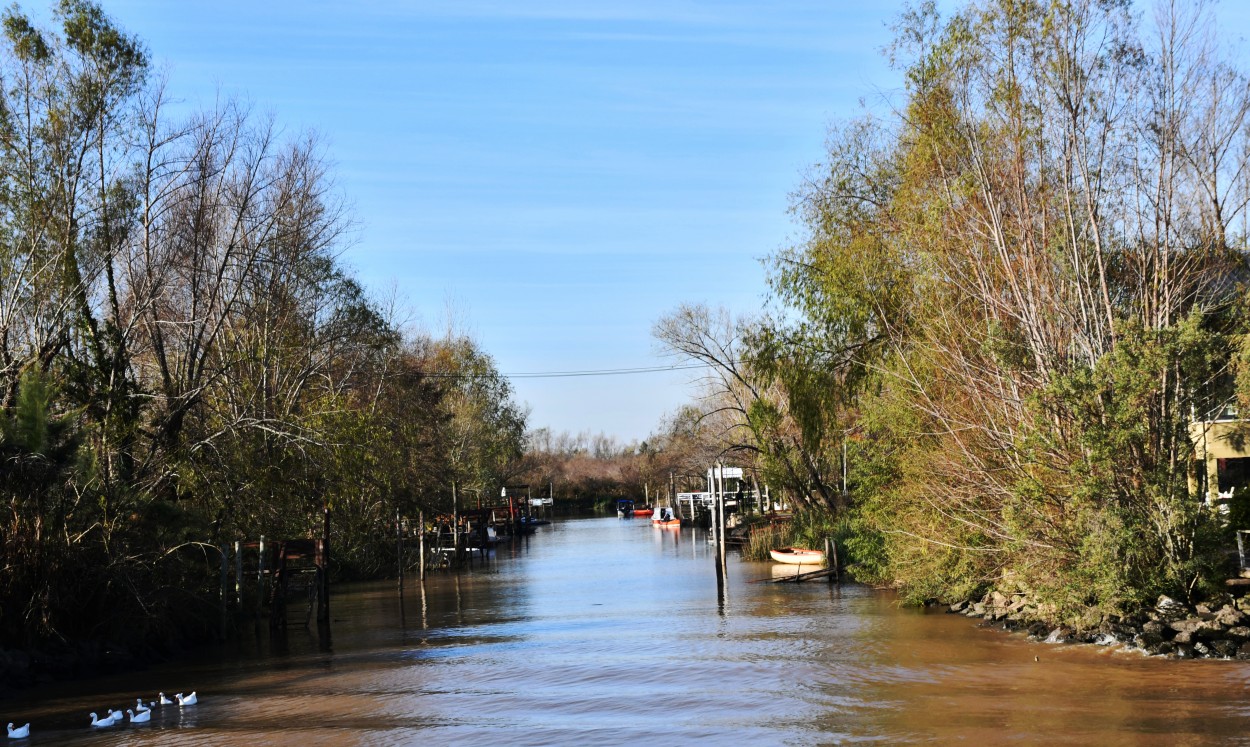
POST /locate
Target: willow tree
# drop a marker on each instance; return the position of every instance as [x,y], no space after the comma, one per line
[485,430]
[1025,278]
[768,417]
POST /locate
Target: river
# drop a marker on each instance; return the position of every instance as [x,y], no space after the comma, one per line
[610,632]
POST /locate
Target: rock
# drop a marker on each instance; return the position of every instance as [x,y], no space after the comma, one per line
[1220,599]
[1183,637]
[1120,630]
[1196,625]
[1167,603]
[959,606]
[1153,626]
[979,608]
[1147,641]
[1202,649]
[1039,631]
[1167,647]
[1238,633]
[1224,648]
[1060,635]
[1243,651]
[1229,616]
[1202,609]
[1184,651]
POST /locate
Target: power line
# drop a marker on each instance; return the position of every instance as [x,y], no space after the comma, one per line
[601,372]
[568,374]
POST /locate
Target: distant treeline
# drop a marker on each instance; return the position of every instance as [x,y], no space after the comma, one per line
[184,361]
[591,472]
[1015,293]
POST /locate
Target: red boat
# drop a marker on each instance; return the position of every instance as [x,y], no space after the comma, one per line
[664,517]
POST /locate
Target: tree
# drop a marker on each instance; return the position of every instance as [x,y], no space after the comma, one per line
[1016,290]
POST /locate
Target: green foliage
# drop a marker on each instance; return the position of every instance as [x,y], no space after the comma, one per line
[186,362]
[1010,352]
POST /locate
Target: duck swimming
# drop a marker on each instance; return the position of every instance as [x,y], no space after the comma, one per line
[20,732]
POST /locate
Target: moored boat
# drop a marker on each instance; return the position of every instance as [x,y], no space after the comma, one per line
[664,517]
[798,556]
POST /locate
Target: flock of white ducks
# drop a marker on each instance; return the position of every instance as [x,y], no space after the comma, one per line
[140,714]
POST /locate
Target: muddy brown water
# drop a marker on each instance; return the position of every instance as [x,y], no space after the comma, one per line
[611,632]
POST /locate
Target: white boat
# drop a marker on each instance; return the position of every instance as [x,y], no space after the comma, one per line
[664,517]
[798,556]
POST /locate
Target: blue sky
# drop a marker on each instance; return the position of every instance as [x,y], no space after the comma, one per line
[559,173]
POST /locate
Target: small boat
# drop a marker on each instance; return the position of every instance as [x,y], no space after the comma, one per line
[798,556]
[644,511]
[664,517]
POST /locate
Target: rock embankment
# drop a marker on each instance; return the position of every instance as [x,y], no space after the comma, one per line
[1219,628]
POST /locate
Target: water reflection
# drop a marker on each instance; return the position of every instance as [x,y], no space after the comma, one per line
[611,631]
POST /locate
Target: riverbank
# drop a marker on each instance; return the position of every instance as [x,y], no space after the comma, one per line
[22,669]
[1217,629]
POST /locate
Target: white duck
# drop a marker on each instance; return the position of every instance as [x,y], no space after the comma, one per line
[164,701]
[189,700]
[117,716]
[142,717]
[139,706]
[20,732]
[98,722]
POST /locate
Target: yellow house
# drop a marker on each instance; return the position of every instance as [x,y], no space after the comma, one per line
[1222,456]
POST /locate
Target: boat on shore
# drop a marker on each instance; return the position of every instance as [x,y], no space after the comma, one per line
[798,556]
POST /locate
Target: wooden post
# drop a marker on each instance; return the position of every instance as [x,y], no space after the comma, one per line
[323,566]
[225,556]
[720,522]
[277,590]
[514,525]
[455,525]
[260,575]
[399,551]
[421,544]
[712,486]
[837,573]
[238,574]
